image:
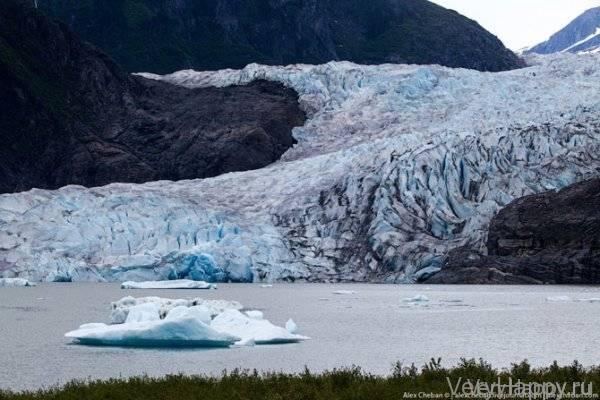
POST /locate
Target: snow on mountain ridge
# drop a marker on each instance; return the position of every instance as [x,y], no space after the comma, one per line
[579,36]
[395,166]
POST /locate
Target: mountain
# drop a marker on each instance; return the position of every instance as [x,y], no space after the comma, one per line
[551,237]
[70,115]
[396,167]
[581,35]
[163,36]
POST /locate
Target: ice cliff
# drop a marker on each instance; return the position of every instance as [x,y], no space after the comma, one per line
[395,166]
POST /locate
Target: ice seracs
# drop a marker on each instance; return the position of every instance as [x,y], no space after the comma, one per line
[173,284]
[159,322]
[15,282]
[395,166]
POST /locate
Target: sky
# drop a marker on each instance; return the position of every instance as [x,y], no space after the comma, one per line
[521,23]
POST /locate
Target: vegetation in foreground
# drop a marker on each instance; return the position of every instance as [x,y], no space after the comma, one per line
[432,381]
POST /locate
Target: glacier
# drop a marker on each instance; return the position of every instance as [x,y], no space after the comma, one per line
[395,166]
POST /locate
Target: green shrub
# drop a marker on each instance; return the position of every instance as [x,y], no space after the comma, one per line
[349,383]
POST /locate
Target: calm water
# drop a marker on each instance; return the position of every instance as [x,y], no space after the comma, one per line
[372,328]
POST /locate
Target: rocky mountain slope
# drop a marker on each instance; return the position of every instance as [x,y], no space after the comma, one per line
[395,167]
[581,35]
[69,115]
[552,237]
[163,36]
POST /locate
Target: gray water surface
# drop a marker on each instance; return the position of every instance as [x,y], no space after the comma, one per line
[372,328]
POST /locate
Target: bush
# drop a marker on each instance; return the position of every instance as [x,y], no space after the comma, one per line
[349,383]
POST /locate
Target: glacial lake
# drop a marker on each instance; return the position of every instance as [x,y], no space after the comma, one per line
[372,328]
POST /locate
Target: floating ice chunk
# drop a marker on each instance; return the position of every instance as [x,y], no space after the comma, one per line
[344,292]
[176,332]
[291,326]
[15,282]
[255,314]
[420,298]
[559,299]
[261,331]
[266,286]
[174,284]
[143,313]
[590,300]
[155,321]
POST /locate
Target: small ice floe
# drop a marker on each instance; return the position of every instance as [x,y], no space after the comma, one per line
[174,284]
[158,322]
[15,282]
[568,299]
[590,300]
[344,292]
[291,326]
[266,286]
[559,299]
[418,299]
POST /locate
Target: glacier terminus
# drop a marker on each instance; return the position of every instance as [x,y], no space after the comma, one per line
[395,166]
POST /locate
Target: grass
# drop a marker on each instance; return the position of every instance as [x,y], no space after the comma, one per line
[351,383]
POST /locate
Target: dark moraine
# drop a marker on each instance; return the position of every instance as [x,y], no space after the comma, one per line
[70,115]
[553,237]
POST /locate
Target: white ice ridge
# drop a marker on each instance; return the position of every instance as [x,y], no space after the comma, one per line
[174,284]
[395,166]
[158,322]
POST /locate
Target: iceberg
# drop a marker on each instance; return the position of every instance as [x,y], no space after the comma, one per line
[260,331]
[15,282]
[395,166]
[291,326]
[160,322]
[175,332]
[343,292]
[419,298]
[174,284]
[559,299]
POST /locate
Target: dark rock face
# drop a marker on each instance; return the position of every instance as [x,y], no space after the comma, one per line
[69,115]
[553,237]
[572,37]
[163,36]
